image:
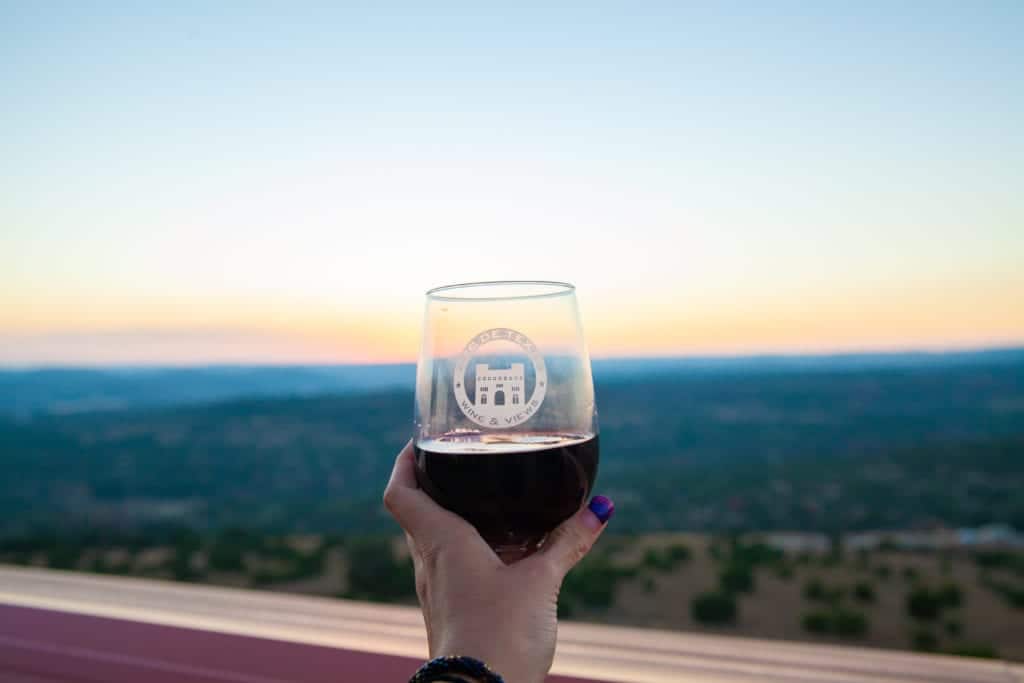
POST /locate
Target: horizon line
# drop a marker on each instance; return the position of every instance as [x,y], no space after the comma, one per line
[708,357]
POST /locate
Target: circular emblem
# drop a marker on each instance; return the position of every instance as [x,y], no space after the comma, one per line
[498,396]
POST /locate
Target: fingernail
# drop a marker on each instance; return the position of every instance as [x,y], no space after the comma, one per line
[602,507]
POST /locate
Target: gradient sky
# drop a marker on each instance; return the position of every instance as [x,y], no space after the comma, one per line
[272,182]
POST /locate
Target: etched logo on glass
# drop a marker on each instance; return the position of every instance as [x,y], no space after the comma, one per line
[498,389]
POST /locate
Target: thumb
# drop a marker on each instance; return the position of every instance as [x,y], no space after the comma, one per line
[572,540]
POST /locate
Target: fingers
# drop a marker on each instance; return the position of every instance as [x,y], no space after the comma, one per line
[411,507]
[403,497]
[572,540]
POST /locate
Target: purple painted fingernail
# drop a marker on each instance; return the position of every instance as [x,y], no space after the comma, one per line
[603,507]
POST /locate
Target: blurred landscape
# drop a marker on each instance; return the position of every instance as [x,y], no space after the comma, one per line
[869,498]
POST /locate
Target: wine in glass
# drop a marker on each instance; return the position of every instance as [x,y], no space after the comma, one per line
[506,426]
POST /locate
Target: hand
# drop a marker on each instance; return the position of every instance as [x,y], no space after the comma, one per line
[475,605]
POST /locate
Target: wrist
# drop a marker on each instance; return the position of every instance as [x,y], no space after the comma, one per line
[455,669]
[512,664]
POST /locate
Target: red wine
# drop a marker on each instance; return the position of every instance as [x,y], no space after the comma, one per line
[513,488]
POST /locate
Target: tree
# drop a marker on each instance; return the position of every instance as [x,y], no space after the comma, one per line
[594,580]
[228,551]
[736,578]
[666,559]
[374,572]
[814,589]
[226,557]
[950,594]
[849,623]
[817,622]
[864,592]
[839,621]
[63,555]
[714,608]
[678,553]
[924,604]
[983,650]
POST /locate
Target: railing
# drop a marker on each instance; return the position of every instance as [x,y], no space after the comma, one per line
[63,626]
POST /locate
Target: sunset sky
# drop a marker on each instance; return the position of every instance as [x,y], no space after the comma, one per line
[181,184]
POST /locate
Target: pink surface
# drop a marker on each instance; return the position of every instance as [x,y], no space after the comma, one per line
[37,644]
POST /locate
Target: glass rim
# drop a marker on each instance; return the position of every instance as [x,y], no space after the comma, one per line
[553,288]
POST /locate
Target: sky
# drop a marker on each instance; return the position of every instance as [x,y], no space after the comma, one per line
[281,182]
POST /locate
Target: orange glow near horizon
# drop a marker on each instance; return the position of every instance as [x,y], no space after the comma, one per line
[183,332]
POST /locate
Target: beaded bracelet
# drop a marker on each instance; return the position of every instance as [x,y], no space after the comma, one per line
[442,668]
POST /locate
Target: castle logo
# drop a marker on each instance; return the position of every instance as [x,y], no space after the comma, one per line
[499,397]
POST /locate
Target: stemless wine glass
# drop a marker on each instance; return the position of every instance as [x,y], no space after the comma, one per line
[506,426]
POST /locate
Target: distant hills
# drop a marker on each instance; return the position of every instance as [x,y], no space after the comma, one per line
[61,391]
[826,445]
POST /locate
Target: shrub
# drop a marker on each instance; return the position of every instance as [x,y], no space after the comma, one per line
[1000,559]
[838,621]
[883,571]
[736,578]
[666,559]
[678,553]
[864,592]
[593,582]
[950,594]
[924,640]
[653,559]
[754,554]
[954,628]
[849,623]
[228,550]
[817,591]
[982,650]
[784,571]
[226,557]
[63,555]
[181,565]
[817,622]
[714,608]
[1013,596]
[814,589]
[374,572]
[910,573]
[924,604]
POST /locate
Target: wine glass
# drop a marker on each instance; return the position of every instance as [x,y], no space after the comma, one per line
[506,426]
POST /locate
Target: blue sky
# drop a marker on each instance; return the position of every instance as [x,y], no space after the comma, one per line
[731,177]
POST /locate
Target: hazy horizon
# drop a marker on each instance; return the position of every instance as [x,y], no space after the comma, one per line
[896,355]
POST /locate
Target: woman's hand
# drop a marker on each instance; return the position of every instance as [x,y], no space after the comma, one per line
[475,605]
